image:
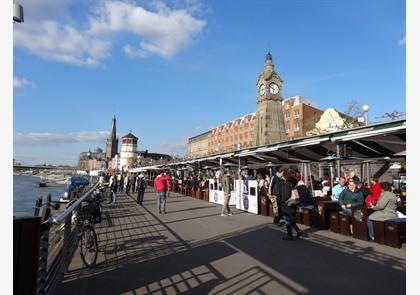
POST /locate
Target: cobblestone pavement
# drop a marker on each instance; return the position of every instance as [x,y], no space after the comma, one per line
[193,250]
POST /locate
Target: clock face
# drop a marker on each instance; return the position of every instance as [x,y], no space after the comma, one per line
[262,89]
[274,88]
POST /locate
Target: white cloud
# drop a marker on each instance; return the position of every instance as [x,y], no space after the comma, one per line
[22,82]
[176,146]
[401,41]
[54,138]
[54,41]
[164,32]
[50,33]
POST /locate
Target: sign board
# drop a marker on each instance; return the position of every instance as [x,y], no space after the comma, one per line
[247,198]
[216,194]
[93,172]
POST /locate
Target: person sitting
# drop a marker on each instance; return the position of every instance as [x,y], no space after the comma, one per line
[351,197]
[386,207]
[338,188]
[375,192]
[305,198]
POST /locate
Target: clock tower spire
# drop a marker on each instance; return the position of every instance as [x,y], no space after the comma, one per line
[269,127]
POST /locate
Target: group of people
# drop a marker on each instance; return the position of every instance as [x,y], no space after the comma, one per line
[285,190]
[352,195]
[128,182]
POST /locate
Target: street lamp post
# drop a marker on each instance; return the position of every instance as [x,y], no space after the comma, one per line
[365,110]
[17,13]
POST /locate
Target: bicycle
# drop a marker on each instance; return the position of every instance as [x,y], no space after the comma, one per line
[87,215]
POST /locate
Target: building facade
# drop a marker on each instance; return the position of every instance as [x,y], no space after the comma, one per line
[275,120]
[92,160]
[332,120]
[233,135]
[300,116]
[199,145]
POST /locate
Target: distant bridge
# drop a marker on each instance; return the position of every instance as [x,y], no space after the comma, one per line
[20,167]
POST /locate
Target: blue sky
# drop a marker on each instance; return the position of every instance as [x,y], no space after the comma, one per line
[172,69]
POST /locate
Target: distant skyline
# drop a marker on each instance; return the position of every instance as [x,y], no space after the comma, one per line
[169,70]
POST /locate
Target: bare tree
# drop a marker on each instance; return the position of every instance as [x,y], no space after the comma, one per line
[351,113]
[394,115]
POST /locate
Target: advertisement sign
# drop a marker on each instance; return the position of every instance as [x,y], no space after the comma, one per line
[216,194]
[247,198]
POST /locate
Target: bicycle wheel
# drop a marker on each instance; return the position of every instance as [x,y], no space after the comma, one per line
[88,246]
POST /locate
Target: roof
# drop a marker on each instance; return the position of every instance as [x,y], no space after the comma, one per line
[130,135]
[374,142]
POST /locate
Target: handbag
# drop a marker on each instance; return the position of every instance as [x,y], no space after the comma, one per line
[291,202]
[358,215]
[294,199]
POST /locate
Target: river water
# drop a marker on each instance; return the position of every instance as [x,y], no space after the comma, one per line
[25,193]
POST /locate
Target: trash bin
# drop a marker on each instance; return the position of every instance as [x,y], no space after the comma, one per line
[263,206]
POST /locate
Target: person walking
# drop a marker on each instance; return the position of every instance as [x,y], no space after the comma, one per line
[113,188]
[226,185]
[288,207]
[141,187]
[160,186]
[127,184]
[132,183]
[120,182]
[274,194]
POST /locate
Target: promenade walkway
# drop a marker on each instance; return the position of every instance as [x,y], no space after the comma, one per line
[193,250]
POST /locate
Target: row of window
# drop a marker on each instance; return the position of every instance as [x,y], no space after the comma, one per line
[287,115]
[296,125]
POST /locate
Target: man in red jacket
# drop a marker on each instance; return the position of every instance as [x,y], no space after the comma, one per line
[161,187]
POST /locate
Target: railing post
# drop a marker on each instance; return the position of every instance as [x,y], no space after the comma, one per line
[43,258]
[67,242]
[38,204]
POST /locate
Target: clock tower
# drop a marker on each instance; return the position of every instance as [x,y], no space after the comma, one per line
[269,119]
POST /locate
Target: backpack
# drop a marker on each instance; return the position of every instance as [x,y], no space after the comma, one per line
[142,184]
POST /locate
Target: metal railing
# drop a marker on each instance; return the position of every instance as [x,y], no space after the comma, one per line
[57,243]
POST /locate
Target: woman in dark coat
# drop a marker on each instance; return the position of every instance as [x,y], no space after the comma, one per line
[288,211]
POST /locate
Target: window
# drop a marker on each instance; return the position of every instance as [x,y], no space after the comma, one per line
[287,116]
[332,126]
[287,128]
[296,112]
[296,126]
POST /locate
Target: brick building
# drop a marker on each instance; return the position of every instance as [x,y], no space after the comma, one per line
[300,116]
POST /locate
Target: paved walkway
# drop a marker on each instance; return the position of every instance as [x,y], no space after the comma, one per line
[193,250]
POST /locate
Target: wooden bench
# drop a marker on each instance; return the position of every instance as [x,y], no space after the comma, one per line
[344,223]
[264,206]
[379,231]
[334,223]
[309,216]
[325,208]
[395,230]
[360,230]
[298,217]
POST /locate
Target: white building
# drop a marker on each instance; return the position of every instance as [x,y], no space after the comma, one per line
[128,155]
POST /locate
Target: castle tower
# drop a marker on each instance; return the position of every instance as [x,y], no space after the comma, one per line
[112,142]
[128,150]
[269,119]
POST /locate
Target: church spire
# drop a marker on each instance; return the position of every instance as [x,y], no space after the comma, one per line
[113,135]
[112,141]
